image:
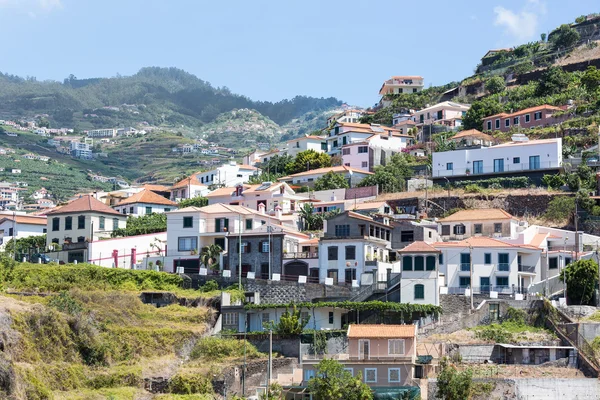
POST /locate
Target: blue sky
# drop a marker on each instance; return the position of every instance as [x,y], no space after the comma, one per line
[270,50]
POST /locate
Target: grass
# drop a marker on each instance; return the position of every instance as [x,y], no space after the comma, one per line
[506,332]
[213,348]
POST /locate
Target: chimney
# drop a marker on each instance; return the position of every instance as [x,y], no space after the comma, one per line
[261,208]
[278,212]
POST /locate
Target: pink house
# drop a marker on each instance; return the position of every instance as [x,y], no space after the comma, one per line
[532,117]
[383,355]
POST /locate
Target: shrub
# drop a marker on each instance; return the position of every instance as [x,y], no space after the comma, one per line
[213,348]
[472,188]
[209,286]
[190,383]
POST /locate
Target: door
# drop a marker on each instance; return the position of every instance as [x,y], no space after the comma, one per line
[333,273]
[350,275]
[478,167]
[534,162]
[363,349]
[484,283]
[499,165]
[264,271]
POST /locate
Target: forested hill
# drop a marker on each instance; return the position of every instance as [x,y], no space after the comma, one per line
[158,96]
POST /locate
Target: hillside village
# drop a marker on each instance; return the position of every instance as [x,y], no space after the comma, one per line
[408,250]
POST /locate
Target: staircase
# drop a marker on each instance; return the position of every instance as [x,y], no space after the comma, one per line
[377,288]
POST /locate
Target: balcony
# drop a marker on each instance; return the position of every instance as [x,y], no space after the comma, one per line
[75,246]
[503,267]
[489,169]
[465,267]
[302,255]
[528,269]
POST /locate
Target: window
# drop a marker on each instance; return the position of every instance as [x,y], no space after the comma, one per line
[131,210]
[422,118]
[330,317]
[264,247]
[364,164]
[494,312]
[537,116]
[335,143]
[507,122]
[115,224]
[324,146]
[332,253]
[10,232]
[124,211]
[516,160]
[497,124]
[309,374]
[503,264]
[484,283]
[527,117]
[464,281]
[478,167]
[248,224]
[489,125]
[167,209]
[419,292]
[81,222]
[414,90]
[246,247]
[346,152]
[445,230]
[265,318]
[449,166]
[459,229]
[188,243]
[441,259]
[407,263]
[499,165]
[148,210]
[363,149]
[350,252]
[407,236]
[393,375]
[371,375]
[516,121]
[498,228]
[55,224]
[478,228]
[487,258]
[502,281]
[337,130]
[430,263]
[68,223]
[419,263]
[553,263]
[396,347]
[188,222]
[230,318]
[342,230]
[568,261]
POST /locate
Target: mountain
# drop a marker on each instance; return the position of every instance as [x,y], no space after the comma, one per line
[164,97]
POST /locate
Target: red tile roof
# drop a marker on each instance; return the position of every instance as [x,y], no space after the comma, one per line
[477,215]
[381,331]
[339,168]
[473,133]
[26,219]
[525,111]
[85,203]
[419,247]
[147,197]
[191,180]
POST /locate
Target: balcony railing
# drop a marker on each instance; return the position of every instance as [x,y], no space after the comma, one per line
[75,246]
[527,268]
[465,267]
[503,267]
[489,169]
[505,290]
[303,255]
[348,357]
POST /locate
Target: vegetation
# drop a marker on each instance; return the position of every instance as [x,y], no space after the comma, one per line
[143,225]
[515,323]
[209,256]
[495,85]
[333,382]
[391,177]
[496,183]
[380,306]
[581,278]
[560,208]
[308,160]
[452,384]
[214,348]
[290,323]
[564,37]
[194,202]
[331,181]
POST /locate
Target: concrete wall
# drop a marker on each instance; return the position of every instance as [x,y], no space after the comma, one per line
[557,389]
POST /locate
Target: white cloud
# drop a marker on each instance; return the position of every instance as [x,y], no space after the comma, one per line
[522,25]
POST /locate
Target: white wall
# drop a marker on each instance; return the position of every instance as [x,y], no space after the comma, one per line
[21,231]
[318,321]
[139,209]
[100,252]
[90,219]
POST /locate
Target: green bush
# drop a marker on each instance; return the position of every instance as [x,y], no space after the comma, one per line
[213,348]
[209,286]
[515,182]
[472,188]
[190,384]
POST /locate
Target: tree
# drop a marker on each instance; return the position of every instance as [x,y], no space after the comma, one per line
[333,382]
[554,80]
[560,208]
[331,181]
[390,177]
[564,37]
[308,160]
[451,384]
[290,323]
[210,256]
[26,244]
[543,37]
[581,278]
[480,109]
[276,165]
[274,392]
[495,85]
[591,79]
[310,220]
[197,201]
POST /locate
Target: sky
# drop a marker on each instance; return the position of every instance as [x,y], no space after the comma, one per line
[271,50]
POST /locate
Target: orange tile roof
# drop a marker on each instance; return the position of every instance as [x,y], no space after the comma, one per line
[419,247]
[478,215]
[473,133]
[525,111]
[381,331]
[190,180]
[157,188]
[147,197]
[339,168]
[245,166]
[369,206]
[27,219]
[84,204]
[306,138]
[407,77]
[537,239]
[225,191]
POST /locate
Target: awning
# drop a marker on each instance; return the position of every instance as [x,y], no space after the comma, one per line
[395,393]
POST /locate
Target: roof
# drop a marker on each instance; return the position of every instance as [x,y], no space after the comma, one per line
[157,188]
[147,197]
[338,169]
[26,219]
[473,133]
[537,239]
[372,129]
[85,203]
[224,191]
[381,331]
[406,77]
[480,214]
[246,166]
[190,180]
[445,104]
[219,208]
[406,122]
[369,206]
[525,111]
[528,142]
[482,241]
[419,247]
[307,137]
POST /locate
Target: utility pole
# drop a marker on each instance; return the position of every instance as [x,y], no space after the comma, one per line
[240,255]
[244,369]
[471,274]
[270,370]
[14,235]
[576,232]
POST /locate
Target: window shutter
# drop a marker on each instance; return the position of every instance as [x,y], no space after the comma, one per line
[248,247]
[260,247]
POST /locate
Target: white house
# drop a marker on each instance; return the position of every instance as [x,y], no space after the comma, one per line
[420,274]
[351,115]
[374,150]
[402,84]
[230,175]
[342,134]
[304,143]
[188,188]
[520,156]
[445,113]
[20,226]
[308,178]
[491,222]
[145,202]
[131,252]
[79,222]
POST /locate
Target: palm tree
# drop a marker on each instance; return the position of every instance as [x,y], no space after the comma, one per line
[309,218]
[210,256]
